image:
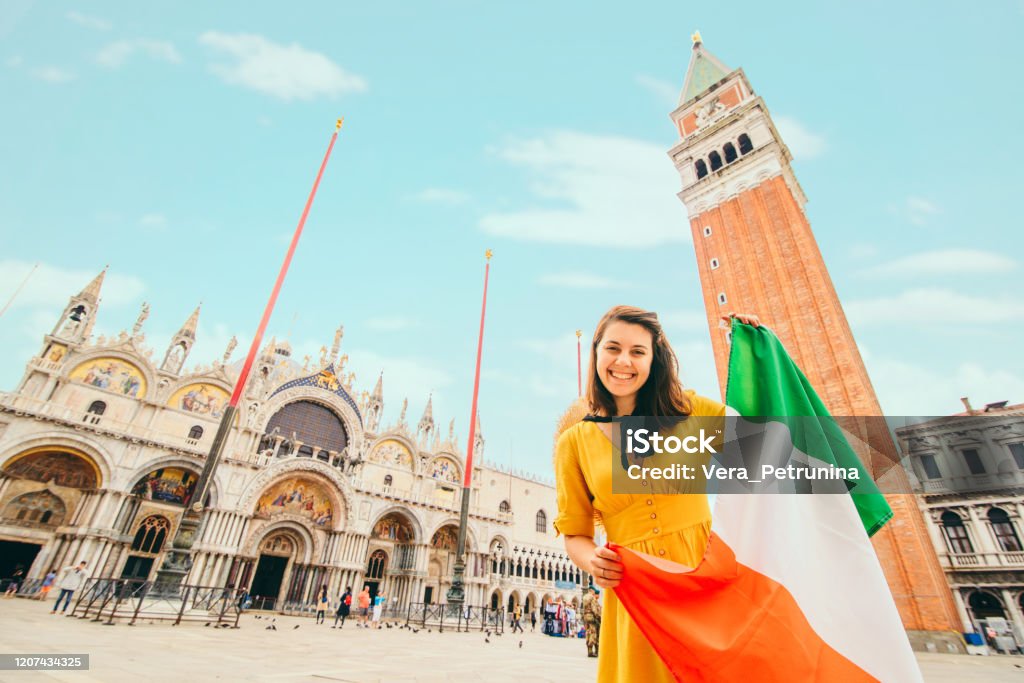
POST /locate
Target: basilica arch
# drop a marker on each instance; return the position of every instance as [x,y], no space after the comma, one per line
[336,487]
[341,406]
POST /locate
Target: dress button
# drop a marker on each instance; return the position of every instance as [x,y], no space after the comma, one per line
[650,502]
[654,515]
[656,529]
[661,552]
[644,482]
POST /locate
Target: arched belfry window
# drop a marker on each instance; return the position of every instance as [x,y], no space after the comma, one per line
[746,146]
[956,533]
[701,168]
[151,534]
[730,153]
[716,161]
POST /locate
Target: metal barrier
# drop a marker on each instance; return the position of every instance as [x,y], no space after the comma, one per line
[106,599]
[465,617]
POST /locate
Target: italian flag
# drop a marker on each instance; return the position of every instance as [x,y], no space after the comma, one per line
[789,588]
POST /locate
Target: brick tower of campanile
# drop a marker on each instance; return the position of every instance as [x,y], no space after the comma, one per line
[756,253]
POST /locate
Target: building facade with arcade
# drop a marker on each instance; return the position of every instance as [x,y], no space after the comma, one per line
[101,446]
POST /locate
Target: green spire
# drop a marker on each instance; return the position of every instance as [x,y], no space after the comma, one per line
[705,70]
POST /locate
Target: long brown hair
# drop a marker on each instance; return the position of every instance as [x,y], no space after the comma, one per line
[662,394]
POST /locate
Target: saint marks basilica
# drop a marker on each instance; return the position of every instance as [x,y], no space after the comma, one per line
[102,444]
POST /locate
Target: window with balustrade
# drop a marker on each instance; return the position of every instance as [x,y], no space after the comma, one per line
[931,468]
[504,507]
[1004,531]
[973,460]
[956,533]
[1017,451]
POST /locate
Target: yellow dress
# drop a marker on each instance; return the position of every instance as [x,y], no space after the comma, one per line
[671,526]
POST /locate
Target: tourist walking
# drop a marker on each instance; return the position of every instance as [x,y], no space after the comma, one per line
[364,607]
[321,605]
[48,580]
[378,608]
[592,620]
[517,619]
[17,576]
[71,579]
[533,621]
[344,607]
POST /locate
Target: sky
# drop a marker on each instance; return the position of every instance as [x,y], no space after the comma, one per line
[178,147]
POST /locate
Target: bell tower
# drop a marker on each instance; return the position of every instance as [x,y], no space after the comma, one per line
[756,253]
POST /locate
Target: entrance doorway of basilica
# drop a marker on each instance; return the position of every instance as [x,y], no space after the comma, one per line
[276,552]
[137,567]
[14,554]
[266,583]
[428,595]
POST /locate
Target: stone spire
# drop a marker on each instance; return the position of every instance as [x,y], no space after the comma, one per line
[181,344]
[375,406]
[478,439]
[425,429]
[80,313]
[91,293]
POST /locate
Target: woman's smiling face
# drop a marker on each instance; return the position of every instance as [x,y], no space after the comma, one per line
[624,357]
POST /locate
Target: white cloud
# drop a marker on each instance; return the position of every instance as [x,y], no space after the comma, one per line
[153,221]
[905,388]
[934,305]
[390,324]
[607,191]
[916,210]
[117,53]
[87,21]
[802,142]
[14,61]
[289,72]
[53,74]
[665,91]
[580,280]
[946,262]
[439,195]
[52,286]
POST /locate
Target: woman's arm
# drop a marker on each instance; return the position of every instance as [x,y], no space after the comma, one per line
[598,561]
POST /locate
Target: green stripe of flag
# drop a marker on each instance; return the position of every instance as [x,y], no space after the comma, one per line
[764,383]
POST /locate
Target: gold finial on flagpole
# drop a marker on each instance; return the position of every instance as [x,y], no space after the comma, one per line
[579,333]
[338,125]
[696,38]
[488,254]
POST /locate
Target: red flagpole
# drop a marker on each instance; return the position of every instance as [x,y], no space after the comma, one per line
[579,366]
[467,477]
[254,348]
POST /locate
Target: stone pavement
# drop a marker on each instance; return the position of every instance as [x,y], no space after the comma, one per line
[192,653]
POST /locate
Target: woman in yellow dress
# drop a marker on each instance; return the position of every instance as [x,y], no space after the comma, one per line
[633,372]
